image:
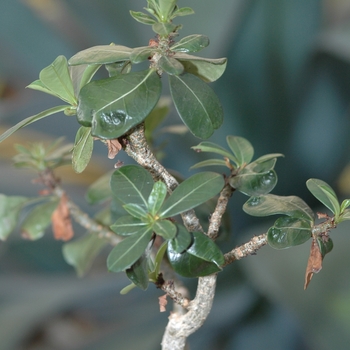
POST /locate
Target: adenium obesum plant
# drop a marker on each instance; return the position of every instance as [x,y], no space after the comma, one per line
[148,217]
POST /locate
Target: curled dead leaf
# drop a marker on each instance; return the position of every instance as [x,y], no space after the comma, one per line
[61,221]
[162,303]
[114,147]
[314,264]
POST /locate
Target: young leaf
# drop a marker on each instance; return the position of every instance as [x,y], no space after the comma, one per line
[288,232]
[34,225]
[135,210]
[57,79]
[32,119]
[201,110]
[140,54]
[125,254]
[10,207]
[206,69]
[183,11]
[127,225]
[132,184]
[212,147]
[156,198]
[191,43]
[163,29]
[138,272]
[127,289]
[165,228]
[82,252]
[114,105]
[345,203]
[39,86]
[345,215]
[82,74]
[209,162]
[194,191]
[153,275]
[241,148]
[82,151]
[102,54]
[183,239]
[142,17]
[270,204]
[325,194]
[170,65]
[100,190]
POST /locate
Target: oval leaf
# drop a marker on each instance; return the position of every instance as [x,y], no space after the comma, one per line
[191,43]
[192,192]
[163,29]
[82,151]
[138,272]
[127,225]
[325,244]
[212,147]
[170,65]
[142,17]
[140,54]
[241,148]
[183,239]
[135,210]
[157,197]
[165,228]
[197,104]
[209,162]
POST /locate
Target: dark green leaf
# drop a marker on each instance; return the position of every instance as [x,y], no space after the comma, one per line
[196,103]
[191,43]
[325,194]
[82,151]
[135,210]
[125,254]
[165,228]
[138,272]
[325,244]
[183,239]
[212,147]
[132,184]
[102,54]
[288,232]
[207,69]
[143,17]
[32,119]
[153,275]
[271,205]
[192,192]
[34,225]
[10,207]
[112,106]
[100,190]
[170,65]
[157,197]
[82,252]
[241,148]
[209,162]
[163,29]
[127,225]
[140,54]
[56,78]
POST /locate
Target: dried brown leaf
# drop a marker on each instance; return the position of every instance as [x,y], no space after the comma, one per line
[114,147]
[162,303]
[314,264]
[61,221]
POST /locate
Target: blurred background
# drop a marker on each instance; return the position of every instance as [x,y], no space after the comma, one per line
[286,89]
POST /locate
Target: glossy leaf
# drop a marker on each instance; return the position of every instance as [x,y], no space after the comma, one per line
[165,228]
[101,54]
[56,77]
[209,162]
[212,147]
[142,17]
[82,252]
[36,222]
[10,207]
[138,272]
[157,197]
[112,106]
[197,104]
[127,225]
[325,244]
[100,190]
[140,54]
[271,205]
[289,231]
[129,250]
[206,69]
[82,151]
[135,210]
[132,184]
[325,194]
[194,191]
[170,65]
[183,239]
[191,43]
[32,119]
[241,148]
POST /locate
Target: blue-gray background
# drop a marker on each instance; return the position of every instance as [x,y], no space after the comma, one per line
[286,89]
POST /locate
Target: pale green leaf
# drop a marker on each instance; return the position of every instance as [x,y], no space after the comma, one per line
[82,151]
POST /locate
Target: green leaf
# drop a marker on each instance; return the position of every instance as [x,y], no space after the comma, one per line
[165,9]
[100,190]
[82,252]
[156,197]
[32,119]
[132,184]
[288,232]
[163,29]
[345,203]
[241,148]
[212,147]
[56,78]
[194,191]
[138,272]
[183,239]
[325,194]
[206,69]
[325,245]
[127,225]
[127,289]
[38,85]
[135,210]
[183,11]
[141,54]
[101,54]
[170,65]
[142,17]
[112,106]
[209,162]
[34,225]
[270,204]
[153,275]
[125,254]
[264,160]
[117,68]
[197,104]
[10,207]
[165,228]
[82,151]
[82,74]
[191,43]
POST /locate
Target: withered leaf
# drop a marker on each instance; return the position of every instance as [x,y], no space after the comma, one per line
[114,147]
[61,221]
[162,303]
[314,264]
